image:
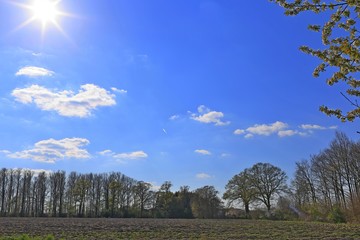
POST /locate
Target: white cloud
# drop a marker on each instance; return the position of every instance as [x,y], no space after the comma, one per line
[203,176]
[287,133]
[121,91]
[281,129]
[225,155]
[106,153]
[66,103]
[267,129]
[51,150]
[121,157]
[131,155]
[315,127]
[202,151]
[239,131]
[32,71]
[249,135]
[38,54]
[174,117]
[208,116]
[311,126]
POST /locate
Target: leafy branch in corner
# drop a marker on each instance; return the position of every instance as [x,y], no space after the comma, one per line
[341,52]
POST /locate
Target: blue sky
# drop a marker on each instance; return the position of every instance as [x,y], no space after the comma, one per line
[187,91]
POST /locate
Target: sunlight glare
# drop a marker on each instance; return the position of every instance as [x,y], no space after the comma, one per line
[45,11]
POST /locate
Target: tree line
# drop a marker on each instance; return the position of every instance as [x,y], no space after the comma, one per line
[327,185]
[25,193]
[324,187]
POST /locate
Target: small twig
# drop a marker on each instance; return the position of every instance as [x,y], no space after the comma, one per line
[351,102]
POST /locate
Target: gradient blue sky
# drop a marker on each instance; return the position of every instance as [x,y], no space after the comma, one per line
[188,91]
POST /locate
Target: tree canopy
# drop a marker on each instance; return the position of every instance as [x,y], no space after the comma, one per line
[340,54]
[240,188]
[261,182]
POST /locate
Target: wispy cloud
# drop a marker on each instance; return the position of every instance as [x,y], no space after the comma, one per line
[202,152]
[311,126]
[239,131]
[131,155]
[205,115]
[51,150]
[225,155]
[124,156]
[107,153]
[66,103]
[203,176]
[289,133]
[315,127]
[174,117]
[32,71]
[280,128]
[249,135]
[121,91]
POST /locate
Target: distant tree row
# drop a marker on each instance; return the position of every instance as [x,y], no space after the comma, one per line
[25,193]
[327,186]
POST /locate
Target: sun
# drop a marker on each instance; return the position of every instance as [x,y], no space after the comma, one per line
[45,11]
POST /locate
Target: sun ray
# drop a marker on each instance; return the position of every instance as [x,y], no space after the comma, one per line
[45,12]
[23,24]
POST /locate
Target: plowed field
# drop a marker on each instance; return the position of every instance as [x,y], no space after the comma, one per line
[87,228]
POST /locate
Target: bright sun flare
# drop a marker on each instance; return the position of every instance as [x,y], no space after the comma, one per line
[45,11]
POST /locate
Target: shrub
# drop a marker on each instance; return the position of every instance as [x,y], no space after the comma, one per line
[336,215]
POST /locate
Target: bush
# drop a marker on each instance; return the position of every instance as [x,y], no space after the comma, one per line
[336,215]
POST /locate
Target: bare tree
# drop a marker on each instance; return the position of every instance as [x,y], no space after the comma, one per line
[268,181]
[143,195]
[3,183]
[304,184]
[241,188]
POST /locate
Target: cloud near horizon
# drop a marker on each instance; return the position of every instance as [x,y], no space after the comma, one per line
[66,103]
[124,156]
[32,71]
[315,127]
[205,115]
[279,128]
[202,152]
[203,176]
[36,172]
[51,150]
[131,155]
